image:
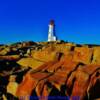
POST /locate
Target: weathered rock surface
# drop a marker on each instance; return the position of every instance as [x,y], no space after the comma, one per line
[50,69]
[33,63]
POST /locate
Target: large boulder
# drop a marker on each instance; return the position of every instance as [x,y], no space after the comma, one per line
[83,54]
[30,81]
[30,62]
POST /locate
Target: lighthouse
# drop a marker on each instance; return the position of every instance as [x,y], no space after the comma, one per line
[51,32]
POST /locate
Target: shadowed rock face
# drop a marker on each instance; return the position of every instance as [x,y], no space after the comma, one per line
[50,69]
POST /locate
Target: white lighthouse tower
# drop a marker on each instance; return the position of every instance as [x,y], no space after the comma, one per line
[51,36]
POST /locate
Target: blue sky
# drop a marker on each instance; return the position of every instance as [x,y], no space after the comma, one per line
[76,20]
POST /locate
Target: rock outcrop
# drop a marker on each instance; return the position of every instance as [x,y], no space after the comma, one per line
[48,70]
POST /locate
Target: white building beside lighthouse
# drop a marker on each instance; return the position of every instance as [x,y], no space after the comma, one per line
[51,36]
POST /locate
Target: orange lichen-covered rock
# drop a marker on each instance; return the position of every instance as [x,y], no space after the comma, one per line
[26,87]
[75,76]
[42,67]
[50,65]
[79,80]
[44,55]
[91,68]
[60,76]
[40,75]
[30,82]
[83,54]
[33,63]
[55,66]
[64,48]
[57,80]
[69,65]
